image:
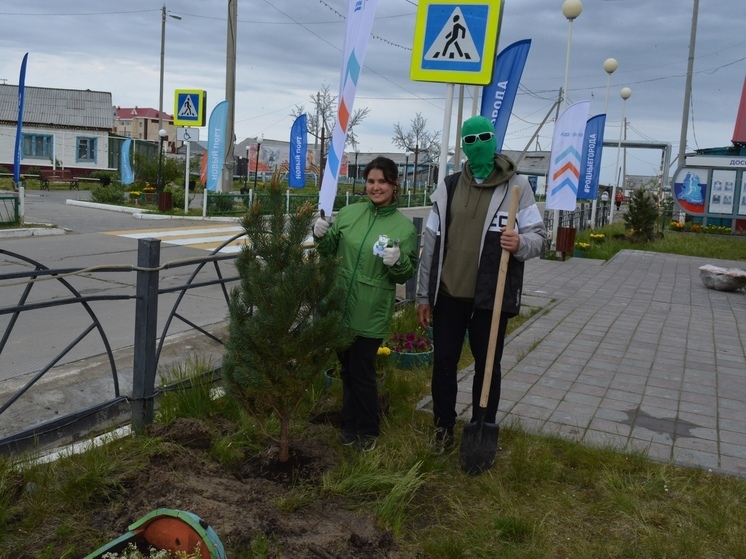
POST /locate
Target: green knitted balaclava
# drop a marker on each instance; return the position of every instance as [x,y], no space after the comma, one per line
[480,154]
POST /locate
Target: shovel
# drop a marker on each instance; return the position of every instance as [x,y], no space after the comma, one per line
[479,439]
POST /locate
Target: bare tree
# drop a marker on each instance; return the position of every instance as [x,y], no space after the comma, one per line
[321,123]
[419,141]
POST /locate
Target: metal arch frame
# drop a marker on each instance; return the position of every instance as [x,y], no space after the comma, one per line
[190,285]
[78,298]
[666,147]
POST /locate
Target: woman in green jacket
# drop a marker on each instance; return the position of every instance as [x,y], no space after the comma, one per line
[377,248]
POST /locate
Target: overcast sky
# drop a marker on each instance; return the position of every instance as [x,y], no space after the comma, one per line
[288,49]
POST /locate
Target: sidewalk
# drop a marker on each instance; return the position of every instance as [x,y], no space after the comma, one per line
[634,353]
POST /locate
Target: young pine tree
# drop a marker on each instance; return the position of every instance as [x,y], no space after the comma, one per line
[285,317]
[641,216]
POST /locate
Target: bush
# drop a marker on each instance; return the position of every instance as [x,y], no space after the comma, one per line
[641,216]
[103,195]
[177,196]
[105,177]
[219,203]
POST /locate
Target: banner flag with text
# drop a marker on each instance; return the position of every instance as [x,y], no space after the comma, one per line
[298,148]
[360,15]
[19,126]
[590,162]
[498,97]
[564,164]
[125,168]
[216,145]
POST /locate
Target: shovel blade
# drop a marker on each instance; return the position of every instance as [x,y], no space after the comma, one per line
[478,447]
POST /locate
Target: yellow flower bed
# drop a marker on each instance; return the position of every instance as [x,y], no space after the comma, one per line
[582,246]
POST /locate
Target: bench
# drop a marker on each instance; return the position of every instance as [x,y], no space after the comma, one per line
[57,175]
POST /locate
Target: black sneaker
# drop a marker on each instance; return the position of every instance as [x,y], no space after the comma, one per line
[366,444]
[443,441]
[347,439]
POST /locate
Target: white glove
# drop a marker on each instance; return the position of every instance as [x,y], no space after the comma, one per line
[391,255]
[320,228]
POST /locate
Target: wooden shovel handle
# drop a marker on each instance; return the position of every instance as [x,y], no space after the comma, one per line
[498,306]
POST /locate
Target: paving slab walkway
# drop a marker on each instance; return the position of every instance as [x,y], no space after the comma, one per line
[634,353]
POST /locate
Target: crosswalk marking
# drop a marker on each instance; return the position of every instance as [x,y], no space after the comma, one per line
[202,238]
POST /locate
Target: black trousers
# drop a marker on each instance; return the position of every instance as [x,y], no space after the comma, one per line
[360,403]
[452,318]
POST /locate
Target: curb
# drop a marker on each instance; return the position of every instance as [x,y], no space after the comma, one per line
[146,214]
[32,232]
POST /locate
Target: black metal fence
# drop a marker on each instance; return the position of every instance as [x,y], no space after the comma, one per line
[226,204]
[28,420]
[9,209]
[27,417]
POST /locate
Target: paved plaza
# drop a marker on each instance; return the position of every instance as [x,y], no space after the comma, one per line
[634,353]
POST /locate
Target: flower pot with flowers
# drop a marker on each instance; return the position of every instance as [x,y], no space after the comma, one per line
[581,249]
[410,350]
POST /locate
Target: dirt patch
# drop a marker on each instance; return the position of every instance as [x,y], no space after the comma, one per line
[244,505]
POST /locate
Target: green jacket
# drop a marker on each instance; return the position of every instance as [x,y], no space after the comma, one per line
[359,231]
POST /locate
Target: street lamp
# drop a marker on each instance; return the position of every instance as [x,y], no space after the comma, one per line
[246,176]
[354,179]
[610,66]
[406,171]
[571,10]
[604,204]
[163,51]
[161,135]
[625,94]
[259,141]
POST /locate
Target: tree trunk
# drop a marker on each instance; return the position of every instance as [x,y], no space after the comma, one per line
[284,439]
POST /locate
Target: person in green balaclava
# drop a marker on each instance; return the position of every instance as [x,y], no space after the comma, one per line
[462,247]
[479,145]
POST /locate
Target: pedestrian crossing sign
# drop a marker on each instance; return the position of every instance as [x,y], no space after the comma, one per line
[189,107]
[455,41]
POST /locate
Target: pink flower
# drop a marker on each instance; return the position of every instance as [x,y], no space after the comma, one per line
[409,342]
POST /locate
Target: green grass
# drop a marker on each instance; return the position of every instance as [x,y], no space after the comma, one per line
[725,247]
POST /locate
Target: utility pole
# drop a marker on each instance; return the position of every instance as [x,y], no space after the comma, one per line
[688,87]
[624,159]
[230,94]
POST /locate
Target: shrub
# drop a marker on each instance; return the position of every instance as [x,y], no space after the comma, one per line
[177,196]
[641,216]
[113,195]
[220,203]
[676,226]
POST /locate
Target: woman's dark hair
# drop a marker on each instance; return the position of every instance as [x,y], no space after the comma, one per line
[388,168]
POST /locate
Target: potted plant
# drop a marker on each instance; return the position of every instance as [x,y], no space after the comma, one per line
[410,350]
[581,249]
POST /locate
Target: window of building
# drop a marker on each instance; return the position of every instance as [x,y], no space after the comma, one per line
[37,146]
[86,149]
